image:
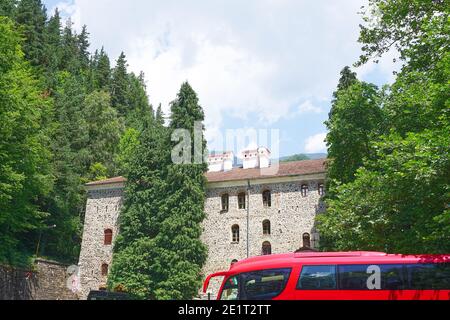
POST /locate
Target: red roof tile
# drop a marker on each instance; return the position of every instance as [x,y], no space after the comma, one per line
[107,181]
[285,169]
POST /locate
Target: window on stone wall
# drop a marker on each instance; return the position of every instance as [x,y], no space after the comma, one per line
[225,202]
[304,190]
[235,233]
[267,199]
[108,237]
[321,189]
[105,269]
[306,240]
[241,200]
[266,227]
[266,248]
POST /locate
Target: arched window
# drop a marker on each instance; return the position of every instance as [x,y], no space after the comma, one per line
[235,233]
[225,201]
[321,189]
[267,199]
[306,240]
[105,269]
[304,190]
[241,200]
[266,227]
[266,248]
[108,237]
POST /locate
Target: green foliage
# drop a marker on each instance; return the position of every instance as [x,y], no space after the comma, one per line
[120,86]
[104,129]
[398,199]
[355,119]
[295,157]
[128,146]
[158,254]
[31,15]
[83,131]
[25,174]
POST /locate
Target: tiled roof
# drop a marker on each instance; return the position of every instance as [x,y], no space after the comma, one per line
[107,181]
[285,169]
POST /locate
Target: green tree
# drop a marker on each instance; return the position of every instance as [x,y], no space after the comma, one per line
[356,118]
[135,268]
[120,86]
[53,53]
[398,200]
[181,254]
[25,172]
[128,146]
[31,15]
[104,131]
[7,8]
[100,71]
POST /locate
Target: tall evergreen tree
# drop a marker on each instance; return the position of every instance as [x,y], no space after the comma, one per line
[135,268]
[181,253]
[83,48]
[31,15]
[120,86]
[52,50]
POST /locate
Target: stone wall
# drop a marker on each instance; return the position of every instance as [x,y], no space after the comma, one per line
[290,215]
[47,281]
[102,211]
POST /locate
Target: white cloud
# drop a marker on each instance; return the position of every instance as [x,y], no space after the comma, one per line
[308,107]
[316,143]
[254,60]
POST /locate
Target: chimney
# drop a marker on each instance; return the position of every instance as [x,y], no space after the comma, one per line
[256,158]
[220,162]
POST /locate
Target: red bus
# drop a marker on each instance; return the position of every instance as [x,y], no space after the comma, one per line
[337,276]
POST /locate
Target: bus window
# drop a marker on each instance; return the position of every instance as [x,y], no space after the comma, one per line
[429,276]
[317,278]
[230,289]
[264,284]
[371,277]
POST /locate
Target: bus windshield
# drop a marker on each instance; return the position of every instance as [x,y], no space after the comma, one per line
[256,285]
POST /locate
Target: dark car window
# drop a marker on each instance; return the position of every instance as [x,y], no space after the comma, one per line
[372,277]
[263,284]
[429,276]
[317,278]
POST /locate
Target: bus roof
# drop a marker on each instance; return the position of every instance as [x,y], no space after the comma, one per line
[361,257]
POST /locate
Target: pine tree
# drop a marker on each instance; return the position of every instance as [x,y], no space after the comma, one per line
[134,267]
[31,15]
[7,8]
[83,48]
[139,106]
[120,86]
[181,254]
[70,51]
[52,50]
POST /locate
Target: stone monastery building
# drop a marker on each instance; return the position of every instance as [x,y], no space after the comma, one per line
[258,208]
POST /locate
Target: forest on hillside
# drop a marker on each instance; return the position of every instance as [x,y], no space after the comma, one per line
[64,111]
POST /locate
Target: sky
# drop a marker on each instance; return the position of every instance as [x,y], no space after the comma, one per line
[255,65]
